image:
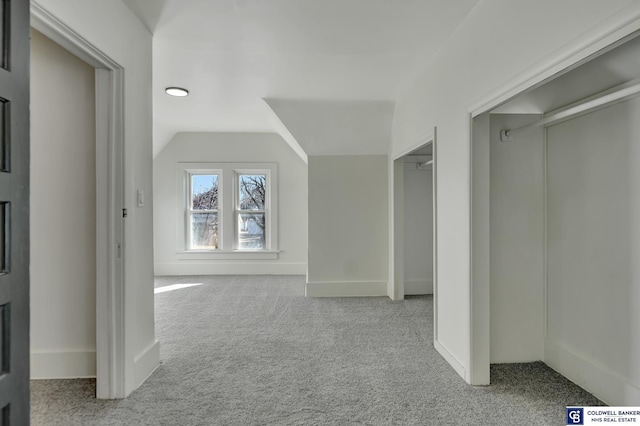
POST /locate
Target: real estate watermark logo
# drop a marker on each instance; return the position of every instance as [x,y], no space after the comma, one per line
[598,415]
[575,416]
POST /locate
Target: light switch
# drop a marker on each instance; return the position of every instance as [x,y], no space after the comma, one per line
[140,198]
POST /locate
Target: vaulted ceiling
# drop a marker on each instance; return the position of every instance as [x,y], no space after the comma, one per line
[233,54]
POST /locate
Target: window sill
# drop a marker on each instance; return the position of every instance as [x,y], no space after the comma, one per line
[227,255]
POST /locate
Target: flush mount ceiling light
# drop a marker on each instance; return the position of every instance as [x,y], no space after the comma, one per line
[176,91]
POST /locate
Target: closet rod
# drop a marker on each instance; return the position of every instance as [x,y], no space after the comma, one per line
[508,134]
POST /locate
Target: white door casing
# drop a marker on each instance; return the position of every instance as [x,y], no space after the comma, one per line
[110,322]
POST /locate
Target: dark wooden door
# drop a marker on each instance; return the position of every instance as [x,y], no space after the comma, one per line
[14,212]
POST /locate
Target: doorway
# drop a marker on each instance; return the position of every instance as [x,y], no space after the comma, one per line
[413,263]
[108,179]
[418,221]
[554,228]
[63,213]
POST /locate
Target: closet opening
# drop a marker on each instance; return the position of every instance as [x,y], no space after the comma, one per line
[413,210]
[418,221]
[556,226]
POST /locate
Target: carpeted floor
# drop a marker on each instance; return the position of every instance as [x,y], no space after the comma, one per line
[255,351]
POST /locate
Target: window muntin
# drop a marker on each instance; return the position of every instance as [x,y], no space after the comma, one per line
[251,201]
[204,219]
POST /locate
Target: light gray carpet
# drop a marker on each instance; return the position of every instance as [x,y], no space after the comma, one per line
[255,351]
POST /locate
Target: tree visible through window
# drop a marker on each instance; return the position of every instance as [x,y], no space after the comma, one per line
[251,211]
[228,210]
[203,212]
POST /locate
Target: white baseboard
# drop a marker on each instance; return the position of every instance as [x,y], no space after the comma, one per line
[63,364]
[600,380]
[145,364]
[448,356]
[346,289]
[418,287]
[192,268]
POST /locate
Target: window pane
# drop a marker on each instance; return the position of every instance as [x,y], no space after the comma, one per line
[253,192]
[204,192]
[204,231]
[251,231]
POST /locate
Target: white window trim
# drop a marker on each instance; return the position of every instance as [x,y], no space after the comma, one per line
[228,176]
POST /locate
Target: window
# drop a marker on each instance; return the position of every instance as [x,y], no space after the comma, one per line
[228,210]
[203,214]
[251,211]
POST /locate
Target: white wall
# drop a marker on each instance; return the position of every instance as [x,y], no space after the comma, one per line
[337,127]
[516,241]
[129,44]
[418,231]
[593,250]
[348,226]
[231,147]
[500,45]
[63,213]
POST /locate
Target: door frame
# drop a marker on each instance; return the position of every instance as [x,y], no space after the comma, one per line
[110,321]
[608,34]
[396,278]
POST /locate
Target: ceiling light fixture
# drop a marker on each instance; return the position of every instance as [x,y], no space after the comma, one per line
[176,91]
